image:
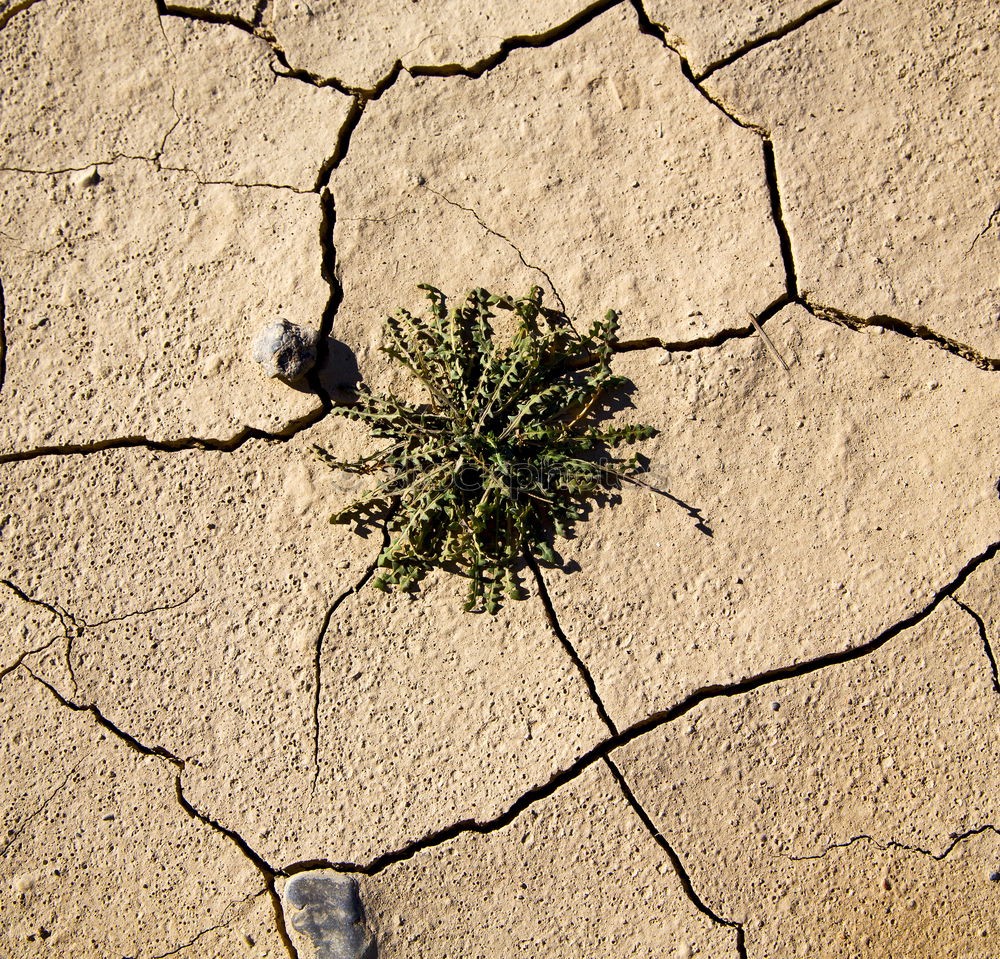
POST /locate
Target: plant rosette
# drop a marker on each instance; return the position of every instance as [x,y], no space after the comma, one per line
[503,456]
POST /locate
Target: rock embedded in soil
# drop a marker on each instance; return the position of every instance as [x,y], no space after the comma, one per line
[124,302]
[326,910]
[285,350]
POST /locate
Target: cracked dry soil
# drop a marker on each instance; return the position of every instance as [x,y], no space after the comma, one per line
[756,717]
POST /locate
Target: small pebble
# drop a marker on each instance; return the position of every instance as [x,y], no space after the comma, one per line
[87,178]
[775,706]
[24,882]
[286,351]
[995,877]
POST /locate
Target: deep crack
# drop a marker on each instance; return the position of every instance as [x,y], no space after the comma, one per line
[14,9]
[354,114]
[676,862]
[769,37]
[524,41]
[105,723]
[581,666]
[269,873]
[328,271]
[230,445]
[984,638]
[777,217]
[894,325]
[202,15]
[710,342]
[793,294]
[67,620]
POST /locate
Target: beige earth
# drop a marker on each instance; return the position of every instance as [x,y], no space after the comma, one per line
[753,711]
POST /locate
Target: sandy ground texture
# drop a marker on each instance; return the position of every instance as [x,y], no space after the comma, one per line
[754,713]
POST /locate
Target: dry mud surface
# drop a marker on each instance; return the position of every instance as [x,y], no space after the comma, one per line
[755,718]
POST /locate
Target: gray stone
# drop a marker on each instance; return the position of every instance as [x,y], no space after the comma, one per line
[329,913]
[285,350]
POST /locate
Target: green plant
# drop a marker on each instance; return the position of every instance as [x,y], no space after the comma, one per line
[504,454]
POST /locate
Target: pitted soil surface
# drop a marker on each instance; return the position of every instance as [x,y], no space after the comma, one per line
[751,712]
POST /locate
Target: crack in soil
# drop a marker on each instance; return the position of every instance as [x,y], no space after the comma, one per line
[3,336]
[328,271]
[13,834]
[318,652]
[793,294]
[987,646]
[74,627]
[7,670]
[238,184]
[710,342]
[71,627]
[343,141]
[159,751]
[500,236]
[675,861]
[156,161]
[260,8]
[581,666]
[619,738]
[221,925]
[650,723]
[955,837]
[912,330]
[777,34]
[14,9]
[66,619]
[269,873]
[986,229]
[115,157]
[141,612]
[244,435]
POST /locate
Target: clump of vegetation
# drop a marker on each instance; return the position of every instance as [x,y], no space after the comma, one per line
[505,452]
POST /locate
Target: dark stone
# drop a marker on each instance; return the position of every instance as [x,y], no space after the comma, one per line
[329,912]
[285,350]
